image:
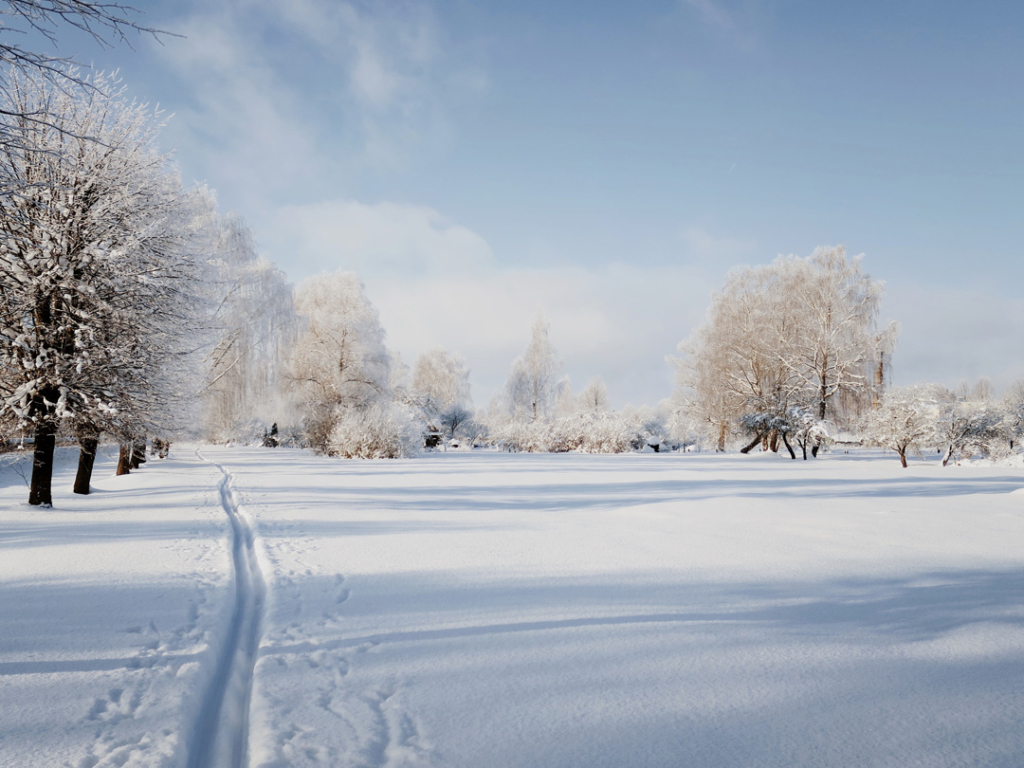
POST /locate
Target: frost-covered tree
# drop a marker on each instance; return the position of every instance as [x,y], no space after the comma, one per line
[903,420]
[530,387]
[1013,413]
[440,381]
[837,307]
[594,398]
[968,427]
[809,432]
[735,366]
[440,390]
[255,326]
[103,21]
[794,334]
[340,372]
[100,255]
[456,422]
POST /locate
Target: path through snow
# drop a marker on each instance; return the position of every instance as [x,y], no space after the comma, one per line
[221,735]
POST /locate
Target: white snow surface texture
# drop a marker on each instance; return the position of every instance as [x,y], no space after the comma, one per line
[485,609]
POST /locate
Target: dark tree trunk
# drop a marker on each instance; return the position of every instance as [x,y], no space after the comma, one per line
[721,437]
[39,493]
[750,446]
[88,441]
[789,447]
[803,448]
[138,457]
[124,459]
[815,449]
[773,443]
[903,457]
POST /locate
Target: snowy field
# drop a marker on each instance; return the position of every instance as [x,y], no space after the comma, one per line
[486,609]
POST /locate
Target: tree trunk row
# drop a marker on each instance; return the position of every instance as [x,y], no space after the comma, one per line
[131,456]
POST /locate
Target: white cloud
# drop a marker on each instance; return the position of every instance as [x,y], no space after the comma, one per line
[617,321]
[383,239]
[437,283]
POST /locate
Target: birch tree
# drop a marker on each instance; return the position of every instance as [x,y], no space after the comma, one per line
[838,304]
[784,341]
[530,387]
[440,380]
[255,325]
[340,370]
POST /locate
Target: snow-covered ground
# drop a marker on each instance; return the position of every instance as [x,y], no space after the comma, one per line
[486,609]
[112,608]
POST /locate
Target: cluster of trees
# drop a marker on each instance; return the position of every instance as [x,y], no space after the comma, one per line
[126,302]
[254,327]
[356,399]
[963,424]
[788,351]
[101,258]
[341,374]
[539,412]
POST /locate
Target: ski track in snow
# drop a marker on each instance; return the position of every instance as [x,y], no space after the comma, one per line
[221,733]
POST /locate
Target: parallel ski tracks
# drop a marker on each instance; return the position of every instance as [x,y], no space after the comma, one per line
[220,738]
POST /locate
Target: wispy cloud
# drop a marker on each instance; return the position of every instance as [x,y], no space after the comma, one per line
[736,22]
[438,283]
[387,239]
[283,97]
[713,13]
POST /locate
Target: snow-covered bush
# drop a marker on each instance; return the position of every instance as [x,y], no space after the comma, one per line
[967,429]
[809,431]
[379,431]
[519,435]
[606,433]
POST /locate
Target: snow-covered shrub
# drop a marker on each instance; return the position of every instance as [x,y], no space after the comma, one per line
[380,431]
[903,420]
[530,436]
[808,430]
[967,429]
[607,433]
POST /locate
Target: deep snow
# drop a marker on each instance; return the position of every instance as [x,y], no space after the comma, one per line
[476,609]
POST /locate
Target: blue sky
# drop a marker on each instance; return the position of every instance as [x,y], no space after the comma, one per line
[608,163]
